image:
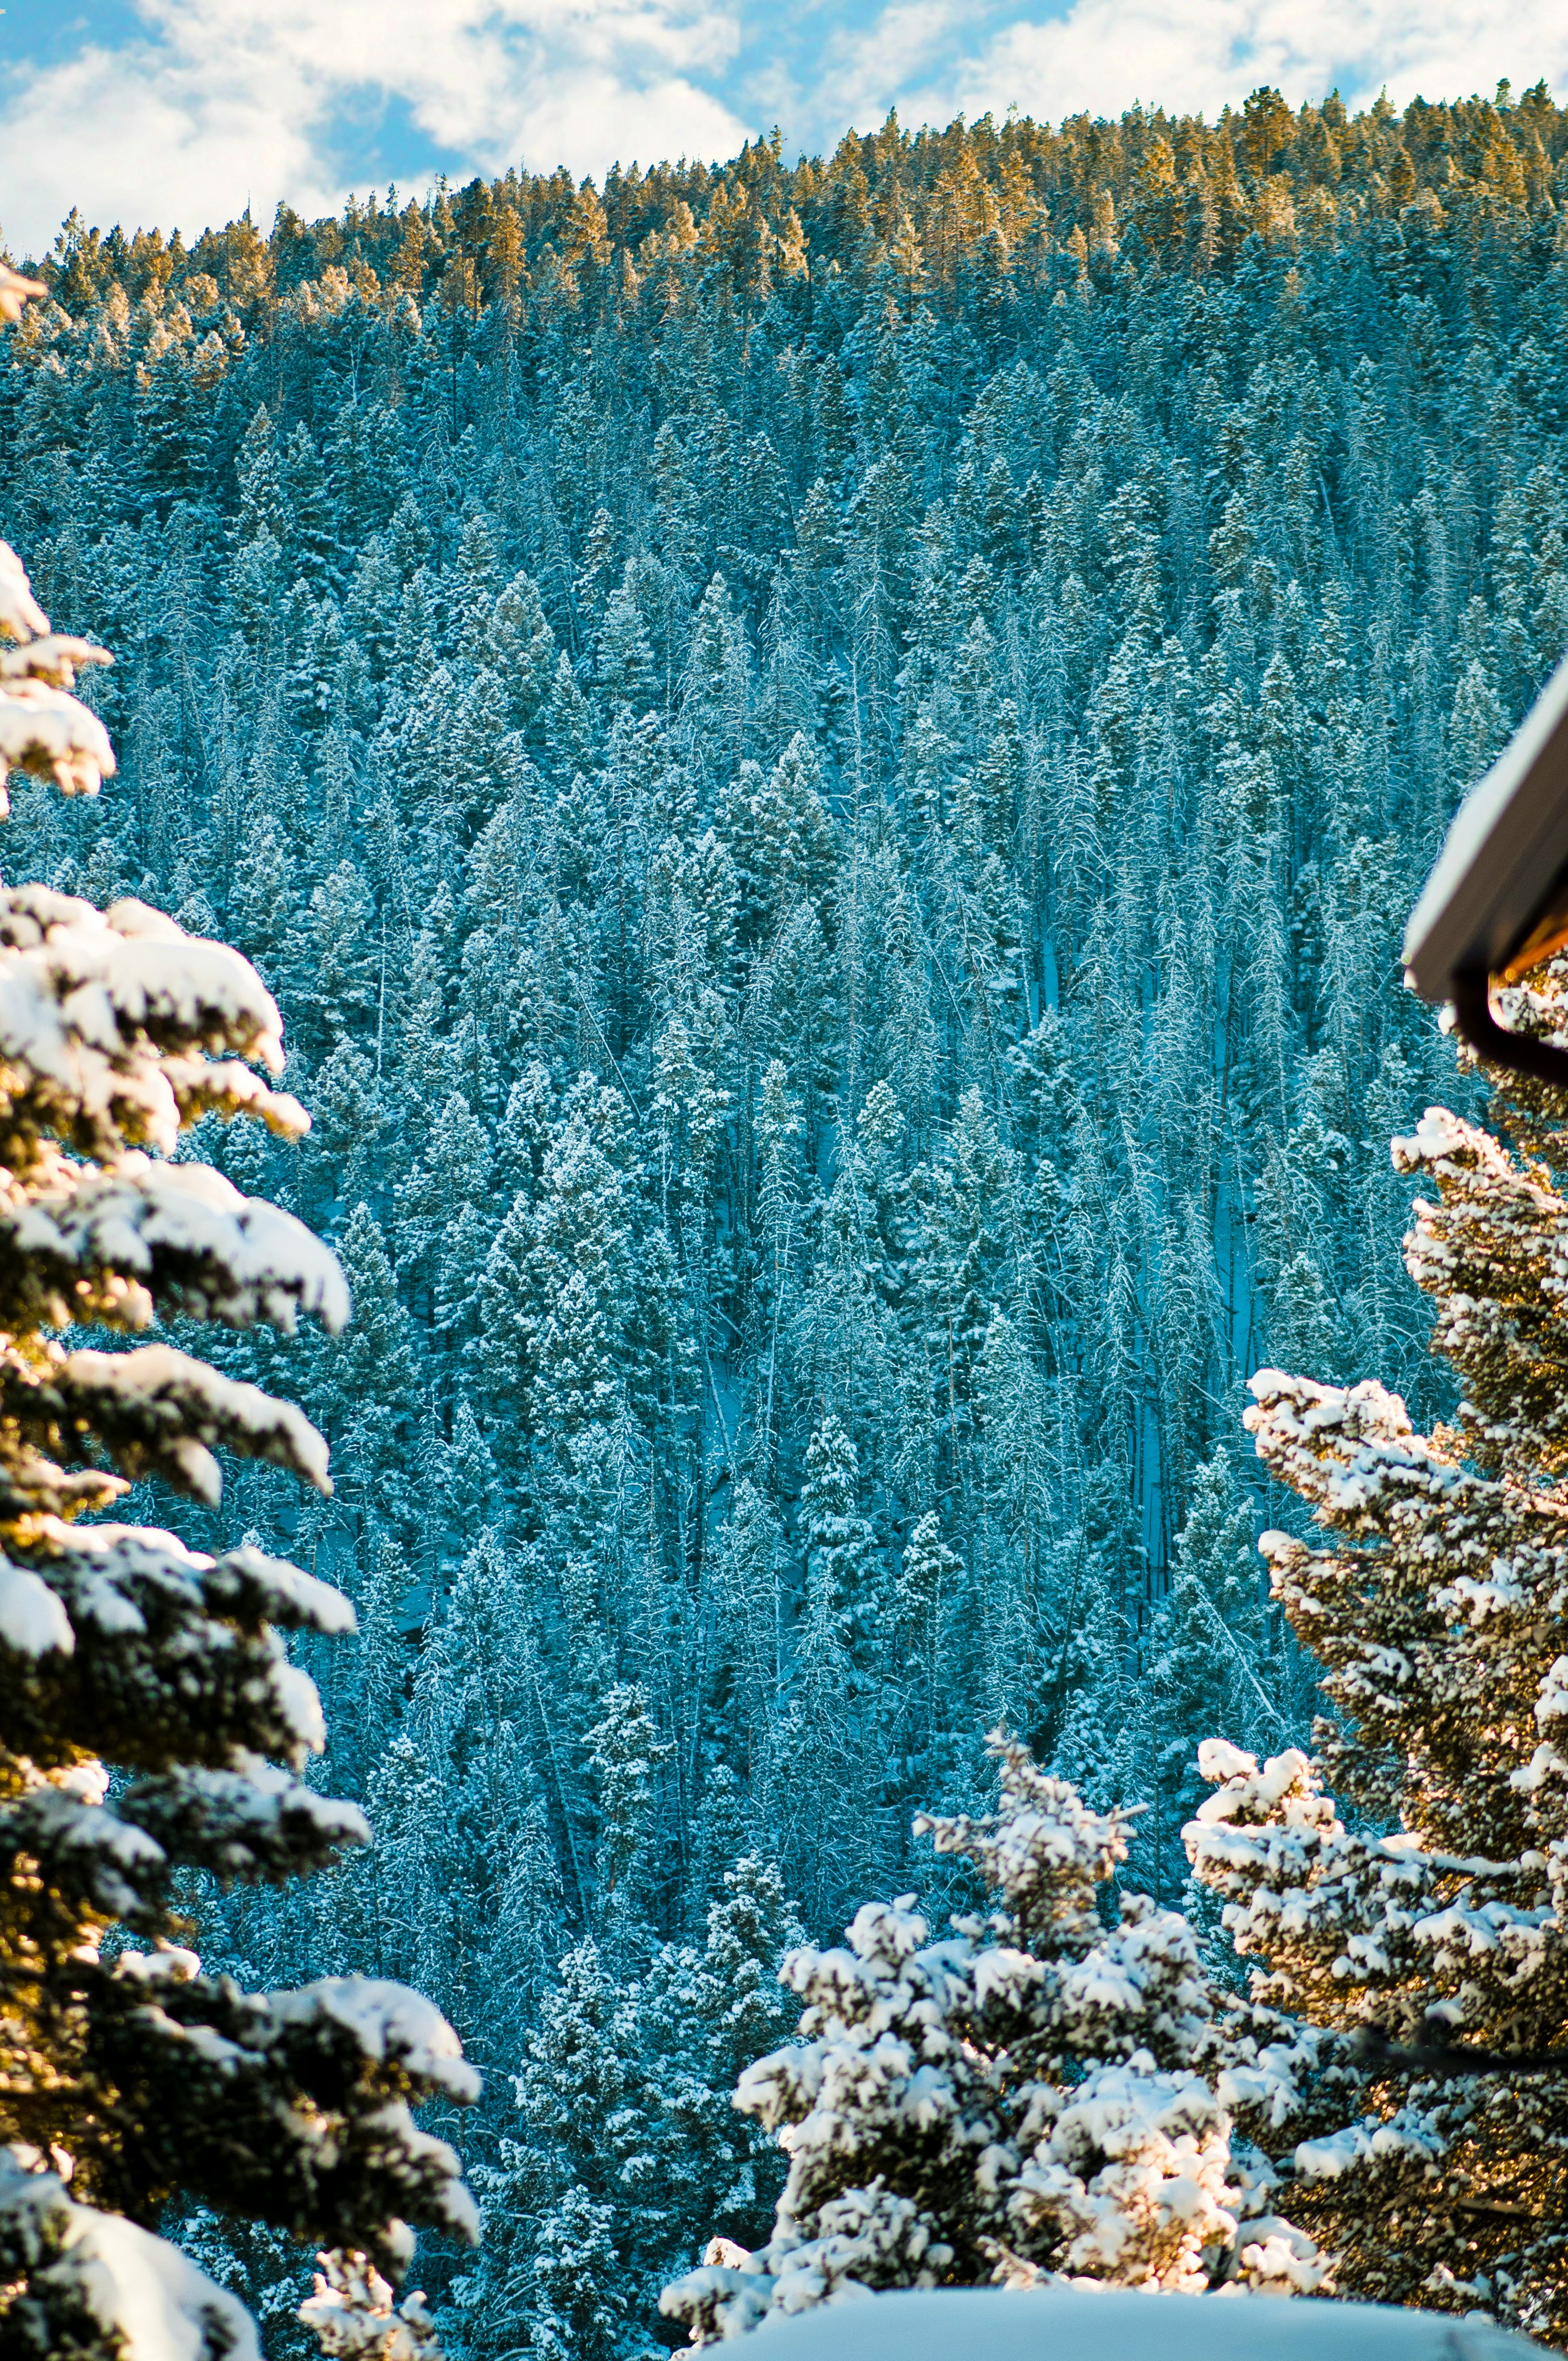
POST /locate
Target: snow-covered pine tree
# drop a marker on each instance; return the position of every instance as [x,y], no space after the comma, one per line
[1026,2098]
[632,2149]
[703,2017]
[1420,1921]
[1209,1664]
[127,2077]
[357,2317]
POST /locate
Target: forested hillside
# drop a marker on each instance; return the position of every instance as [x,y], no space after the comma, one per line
[826,765]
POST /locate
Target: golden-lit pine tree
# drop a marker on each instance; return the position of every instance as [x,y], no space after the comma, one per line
[1404,1895]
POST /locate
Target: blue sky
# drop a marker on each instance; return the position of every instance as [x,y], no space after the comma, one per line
[182,111]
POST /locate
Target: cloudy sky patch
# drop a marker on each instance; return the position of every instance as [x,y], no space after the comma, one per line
[185,111]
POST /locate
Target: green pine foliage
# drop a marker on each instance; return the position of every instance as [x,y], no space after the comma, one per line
[1214,1662]
[1399,1895]
[153,1727]
[1026,2098]
[824,761]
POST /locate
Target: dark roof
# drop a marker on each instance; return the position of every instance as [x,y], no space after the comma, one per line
[1500,886]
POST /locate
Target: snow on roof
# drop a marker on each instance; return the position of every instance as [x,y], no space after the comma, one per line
[1114,2324]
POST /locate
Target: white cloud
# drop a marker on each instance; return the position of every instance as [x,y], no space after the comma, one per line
[226,102]
[1190,54]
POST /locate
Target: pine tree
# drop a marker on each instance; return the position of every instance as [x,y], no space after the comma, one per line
[625,1753]
[780,835]
[1211,1667]
[842,1563]
[927,1595]
[1026,2099]
[520,647]
[634,2147]
[366,1385]
[569,2278]
[357,2317]
[702,2015]
[830,1767]
[147,1684]
[581,2311]
[1418,1920]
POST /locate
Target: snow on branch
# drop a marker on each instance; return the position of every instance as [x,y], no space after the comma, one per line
[97,2283]
[1350,1449]
[391,2023]
[117,1028]
[972,2109]
[115,1247]
[117,1859]
[1044,1851]
[302,2099]
[21,616]
[53,658]
[158,1623]
[357,2317]
[81,1845]
[160,1410]
[253,1825]
[43,729]
[46,730]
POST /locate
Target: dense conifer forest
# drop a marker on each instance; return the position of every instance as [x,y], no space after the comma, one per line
[826,764]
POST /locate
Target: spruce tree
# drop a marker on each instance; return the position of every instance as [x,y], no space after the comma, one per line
[633,2150]
[153,1724]
[1402,1892]
[1026,2099]
[1209,1664]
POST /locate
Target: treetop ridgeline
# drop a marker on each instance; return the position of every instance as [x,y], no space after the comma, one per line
[980,213]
